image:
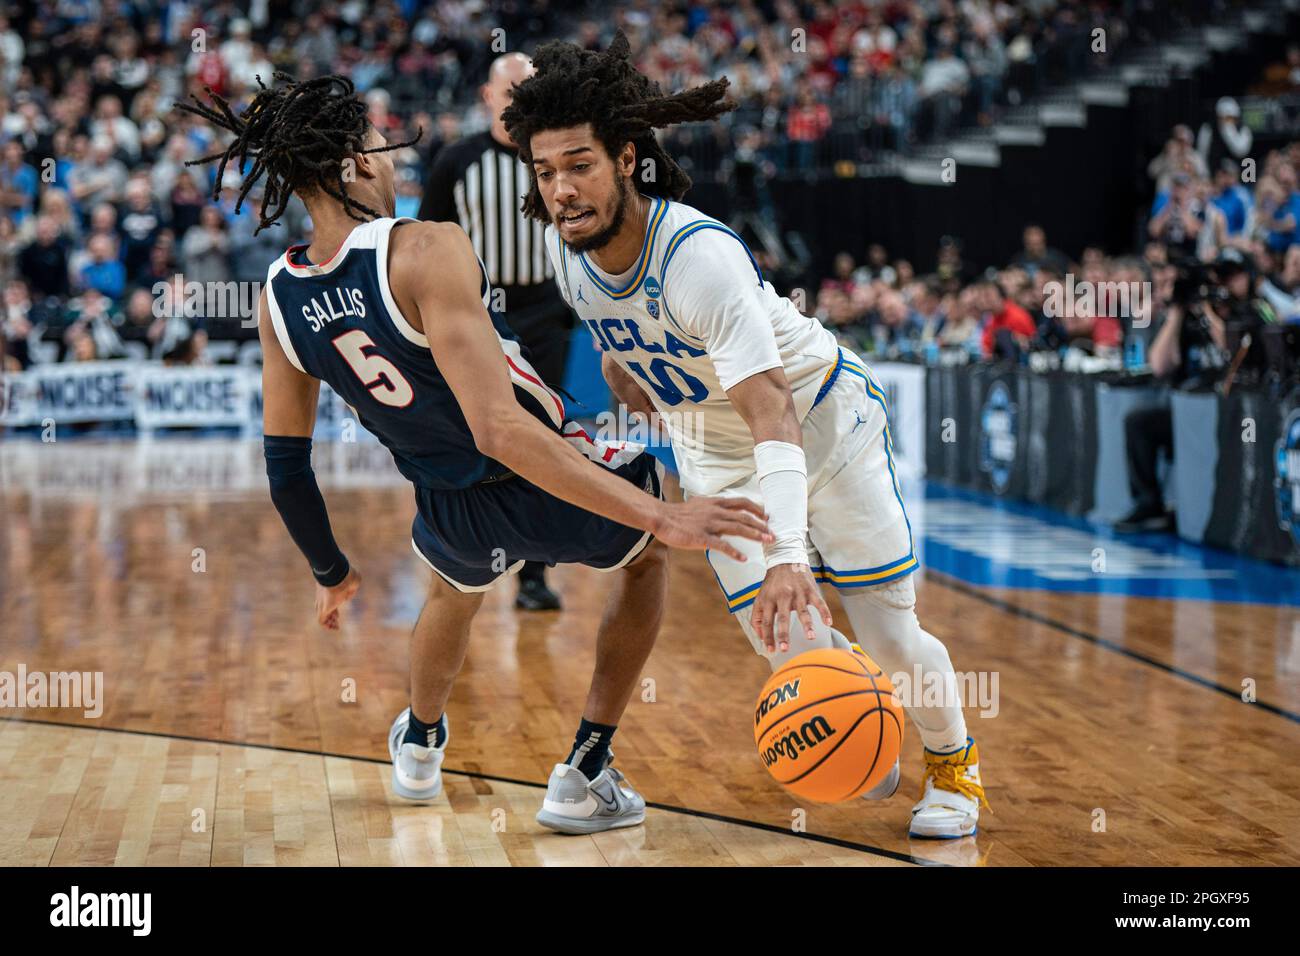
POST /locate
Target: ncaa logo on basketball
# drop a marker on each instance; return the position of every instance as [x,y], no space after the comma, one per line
[1287,481]
[997,451]
[777,697]
[652,287]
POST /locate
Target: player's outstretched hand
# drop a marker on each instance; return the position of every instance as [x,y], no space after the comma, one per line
[330,601]
[701,523]
[787,589]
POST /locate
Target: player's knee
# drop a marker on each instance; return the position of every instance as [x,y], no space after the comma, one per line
[897,595]
[453,600]
[650,564]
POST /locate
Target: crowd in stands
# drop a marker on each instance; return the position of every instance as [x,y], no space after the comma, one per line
[1232,231]
[98,209]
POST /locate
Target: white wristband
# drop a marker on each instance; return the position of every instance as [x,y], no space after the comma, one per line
[783,480]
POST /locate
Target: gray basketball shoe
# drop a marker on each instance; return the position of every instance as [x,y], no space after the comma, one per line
[575,804]
[417,771]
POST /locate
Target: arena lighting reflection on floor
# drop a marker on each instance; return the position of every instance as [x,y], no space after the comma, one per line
[974,537]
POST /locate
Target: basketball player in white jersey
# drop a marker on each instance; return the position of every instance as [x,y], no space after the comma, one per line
[687,324]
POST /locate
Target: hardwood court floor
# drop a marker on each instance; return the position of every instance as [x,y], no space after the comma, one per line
[1117,712]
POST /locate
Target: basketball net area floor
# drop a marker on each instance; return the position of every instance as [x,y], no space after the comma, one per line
[1144,714]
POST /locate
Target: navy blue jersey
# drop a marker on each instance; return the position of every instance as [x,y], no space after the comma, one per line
[338,322]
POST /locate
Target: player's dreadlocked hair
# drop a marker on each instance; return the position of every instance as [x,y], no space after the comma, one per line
[574,86]
[298,136]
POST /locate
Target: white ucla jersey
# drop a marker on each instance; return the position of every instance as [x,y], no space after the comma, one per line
[692,318]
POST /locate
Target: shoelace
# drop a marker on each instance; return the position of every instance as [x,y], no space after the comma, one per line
[946,777]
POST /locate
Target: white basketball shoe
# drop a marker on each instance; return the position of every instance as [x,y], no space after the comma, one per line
[417,771]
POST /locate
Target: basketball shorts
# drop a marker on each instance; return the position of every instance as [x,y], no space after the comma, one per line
[474,537]
[858,531]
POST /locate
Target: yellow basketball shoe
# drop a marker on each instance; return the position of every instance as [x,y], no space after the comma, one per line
[951,795]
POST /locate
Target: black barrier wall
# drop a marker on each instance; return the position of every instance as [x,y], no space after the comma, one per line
[1255,492]
[1033,437]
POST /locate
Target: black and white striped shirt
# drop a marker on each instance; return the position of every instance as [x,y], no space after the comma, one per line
[481,184]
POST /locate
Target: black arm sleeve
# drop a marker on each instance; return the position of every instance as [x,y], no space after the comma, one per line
[298,499]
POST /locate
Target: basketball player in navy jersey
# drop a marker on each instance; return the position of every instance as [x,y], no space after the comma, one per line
[393,315]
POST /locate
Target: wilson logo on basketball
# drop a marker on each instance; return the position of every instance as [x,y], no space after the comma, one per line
[795,742]
[777,697]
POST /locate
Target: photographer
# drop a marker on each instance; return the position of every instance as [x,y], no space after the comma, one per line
[1207,308]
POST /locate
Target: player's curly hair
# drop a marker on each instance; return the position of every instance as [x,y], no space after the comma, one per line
[574,86]
[298,136]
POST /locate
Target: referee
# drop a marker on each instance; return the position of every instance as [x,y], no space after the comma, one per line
[479,182]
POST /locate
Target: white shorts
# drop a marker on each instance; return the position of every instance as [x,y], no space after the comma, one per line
[858,532]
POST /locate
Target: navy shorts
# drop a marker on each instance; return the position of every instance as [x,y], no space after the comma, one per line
[475,536]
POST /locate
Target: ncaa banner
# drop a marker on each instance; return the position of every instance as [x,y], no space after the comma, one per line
[72,393]
[904,388]
[197,397]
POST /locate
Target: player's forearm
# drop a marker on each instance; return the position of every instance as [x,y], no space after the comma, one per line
[539,455]
[297,498]
[767,406]
[769,414]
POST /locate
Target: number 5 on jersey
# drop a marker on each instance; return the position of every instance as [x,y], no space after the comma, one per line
[380,376]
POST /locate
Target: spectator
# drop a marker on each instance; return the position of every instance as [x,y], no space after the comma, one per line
[877,266]
[1007,329]
[19,183]
[10,246]
[928,313]
[140,325]
[56,206]
[1190,342]
[1225,138]
[141,223]
[1232,199]
[44,262]
[1035,255]
[987,58]
[1279,207]
[1178,156]
[807,122]
[1178,218]
[104,273]
[81,346]
[205,250]
[943,84]
[21,324]
[100,178]
[1282,290]
[893,105]
[842,274]
[110,125]
[187,204]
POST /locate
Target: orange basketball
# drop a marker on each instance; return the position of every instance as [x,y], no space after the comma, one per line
[827,725]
